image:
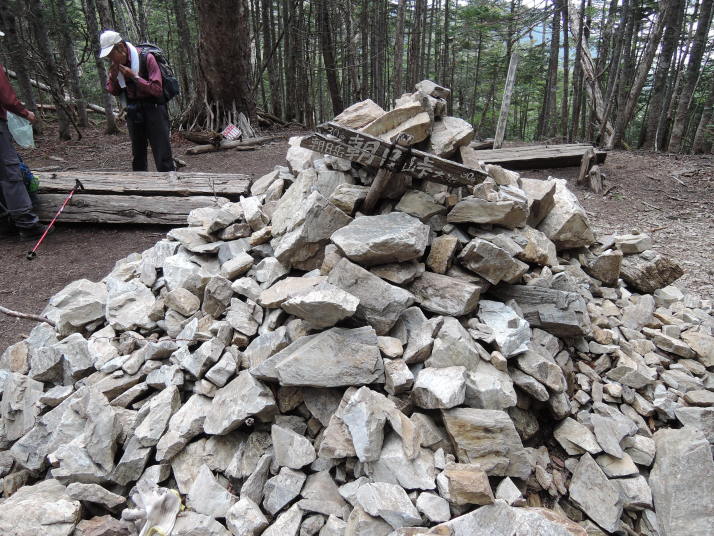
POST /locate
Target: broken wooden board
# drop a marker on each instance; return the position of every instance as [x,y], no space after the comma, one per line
[532,156]
[175,183]
[108,208]
[350,144]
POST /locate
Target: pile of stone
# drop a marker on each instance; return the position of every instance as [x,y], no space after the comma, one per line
[464,362]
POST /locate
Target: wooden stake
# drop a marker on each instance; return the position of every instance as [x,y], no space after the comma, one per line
[506,102]
[585,164]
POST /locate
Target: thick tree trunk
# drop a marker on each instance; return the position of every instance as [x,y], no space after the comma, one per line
[90,16]
[186,66]
[399,49]
[39,27]
[673,24]
[415,40]
[224,66]
[625,114]
[328,56]
[269,43]
[547,125]
[704,135]
[691,77]
[577,78]
[566,71]
[70,59]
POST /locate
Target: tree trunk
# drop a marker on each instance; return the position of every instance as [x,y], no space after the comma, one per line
[673,24]
[415,50]
[691,77]
[90,15]
[269,43]
[577,78]
[624,115]
[704,136]
[70,59]
[224,67]
[506,102]
[566,71]
[106,19]
[547,126]
[39,27]
[186,66]
[399,49]
[328,56]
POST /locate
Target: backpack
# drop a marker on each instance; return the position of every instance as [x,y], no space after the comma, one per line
[169,82]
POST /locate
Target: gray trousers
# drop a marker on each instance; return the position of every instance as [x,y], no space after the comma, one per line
[148,123]
[14,198]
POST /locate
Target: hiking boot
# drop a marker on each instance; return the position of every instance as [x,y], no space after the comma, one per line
[7,228]
[34,232]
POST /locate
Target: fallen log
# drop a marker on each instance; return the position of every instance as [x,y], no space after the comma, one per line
[67,98]
[149,183]
[227,145]
[202,137]
[90,108]
[120,209]
[532,156]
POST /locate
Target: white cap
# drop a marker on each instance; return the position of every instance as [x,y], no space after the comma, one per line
[107,41]
[2,34]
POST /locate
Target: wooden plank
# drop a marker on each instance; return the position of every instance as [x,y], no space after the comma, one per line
[533,157]
[356,146]
[175,183]
[506,102]
[107,208]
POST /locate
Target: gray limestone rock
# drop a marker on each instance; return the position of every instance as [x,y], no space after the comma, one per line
[636,493]
[534,363]
[499,519]
[291,449]
[393,237]
[244,316]
[465,483]
[567,224]
[529,384]
[194,524]
[243,397]
[395,467]
[287,288]
[282,488]
[287,523]
[441,254]
[440,388]
[682,482]
[197,363]
[512,334]
[420,205]
[435,508]
[78,304]
[489,388]
[217,296]
[416,334]
[509,208]
[399,273]
[183,426]
[487,438]
[397,376]
[491,262]
[360,523]
[448,134]
[576,438]
[453,346]
[246,519]
[157,413]
[445,295]
[182,301]
[332,358]
[95,493]
[390,502]
[359,114]
[540,198]
[322,307]
[129,305]
[208,497]
[221,372]
[18,407]
[264,346]
[380,303]
[595,495]
[44,508]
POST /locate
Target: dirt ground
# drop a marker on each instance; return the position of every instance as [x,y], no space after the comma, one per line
[667,196]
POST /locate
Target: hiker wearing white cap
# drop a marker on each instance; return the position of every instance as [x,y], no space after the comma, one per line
[15,204]
[135,77]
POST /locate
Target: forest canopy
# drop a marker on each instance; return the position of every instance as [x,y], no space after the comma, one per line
[618,73]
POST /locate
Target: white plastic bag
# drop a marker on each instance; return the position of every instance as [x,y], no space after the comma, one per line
[21,130]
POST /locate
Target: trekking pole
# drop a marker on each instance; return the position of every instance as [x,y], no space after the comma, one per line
[77,186]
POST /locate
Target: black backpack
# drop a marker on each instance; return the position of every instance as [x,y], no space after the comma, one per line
[170,83]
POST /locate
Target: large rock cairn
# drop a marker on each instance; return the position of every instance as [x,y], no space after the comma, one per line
[462,362]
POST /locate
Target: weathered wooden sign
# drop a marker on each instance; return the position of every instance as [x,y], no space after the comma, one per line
[343,142]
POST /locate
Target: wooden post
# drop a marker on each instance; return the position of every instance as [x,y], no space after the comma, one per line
[383,177]
[585,164]
[506,102]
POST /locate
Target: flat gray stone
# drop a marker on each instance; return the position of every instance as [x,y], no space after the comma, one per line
[440,388]
[95,493]
[512,334]
[393,237]
[44,508]
[445,295]
[595,495]
[380,303]
[488,438]
[208,497]
[291,449]
[682,482]
[243,397]
[323,306]
[390,502]
[282,488]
